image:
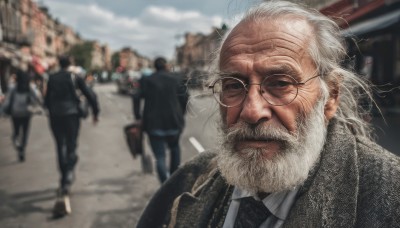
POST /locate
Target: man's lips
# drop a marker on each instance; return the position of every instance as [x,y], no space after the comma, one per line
[256,143]
[269,146]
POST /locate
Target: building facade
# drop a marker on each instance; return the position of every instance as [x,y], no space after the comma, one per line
[198,49]
[129,59]
[372,31]
[28,31]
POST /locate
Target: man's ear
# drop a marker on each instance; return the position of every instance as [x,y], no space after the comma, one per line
[333,101]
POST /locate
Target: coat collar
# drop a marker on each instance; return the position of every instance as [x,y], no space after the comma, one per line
[204,207]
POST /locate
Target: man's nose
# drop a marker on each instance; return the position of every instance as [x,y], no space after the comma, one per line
[255,108]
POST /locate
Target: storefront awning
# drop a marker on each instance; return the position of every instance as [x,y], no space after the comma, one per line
[372,25]
[8,53]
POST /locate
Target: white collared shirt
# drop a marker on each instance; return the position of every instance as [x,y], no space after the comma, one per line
[278,203]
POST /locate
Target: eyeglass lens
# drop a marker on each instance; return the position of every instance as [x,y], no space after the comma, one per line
[275,89]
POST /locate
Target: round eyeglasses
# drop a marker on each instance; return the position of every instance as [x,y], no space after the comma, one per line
[277,89]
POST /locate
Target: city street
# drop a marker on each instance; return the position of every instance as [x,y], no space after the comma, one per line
[111,190]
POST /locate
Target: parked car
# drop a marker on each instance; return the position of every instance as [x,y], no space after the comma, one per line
[128,82]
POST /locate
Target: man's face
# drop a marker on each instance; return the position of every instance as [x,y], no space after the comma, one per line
[256,50]
[268,148]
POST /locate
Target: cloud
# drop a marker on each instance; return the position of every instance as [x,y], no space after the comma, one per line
[152,32]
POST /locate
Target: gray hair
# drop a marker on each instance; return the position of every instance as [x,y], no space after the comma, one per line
[328,52]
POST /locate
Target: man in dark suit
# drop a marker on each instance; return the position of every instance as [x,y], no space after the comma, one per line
[163,115]
[63,104]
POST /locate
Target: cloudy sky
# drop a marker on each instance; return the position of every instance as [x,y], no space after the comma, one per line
[152,27]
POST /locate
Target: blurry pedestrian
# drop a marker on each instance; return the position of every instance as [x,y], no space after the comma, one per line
[18,103]
[90,82]
[64,111]
[163,115]
[89,79]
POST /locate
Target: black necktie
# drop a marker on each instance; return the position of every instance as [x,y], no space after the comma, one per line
[251,213]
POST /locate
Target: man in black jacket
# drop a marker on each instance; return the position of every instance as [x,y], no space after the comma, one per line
[62,102]
[165,104]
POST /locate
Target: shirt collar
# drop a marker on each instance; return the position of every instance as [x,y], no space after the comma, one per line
[278,203]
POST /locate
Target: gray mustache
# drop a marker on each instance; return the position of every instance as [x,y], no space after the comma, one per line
[265,132]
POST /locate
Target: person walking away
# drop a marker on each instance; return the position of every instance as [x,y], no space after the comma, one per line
[17,104]
[62,103]
[163,115]
[90,82]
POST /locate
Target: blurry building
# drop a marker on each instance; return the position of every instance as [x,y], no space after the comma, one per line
[106,57]
[372,31]
[198,49]
[97,56]
[29,31]
[100,61]
[131,60]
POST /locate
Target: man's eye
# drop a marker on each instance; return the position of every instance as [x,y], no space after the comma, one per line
[230,86]
[278,84]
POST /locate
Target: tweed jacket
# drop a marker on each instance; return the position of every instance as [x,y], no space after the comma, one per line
[356,183]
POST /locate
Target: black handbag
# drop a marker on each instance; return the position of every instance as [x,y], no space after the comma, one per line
[134,138]
[7,105]
[83,107]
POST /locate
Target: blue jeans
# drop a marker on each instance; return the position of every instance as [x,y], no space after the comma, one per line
[157,144]
[21,123]
[65,131]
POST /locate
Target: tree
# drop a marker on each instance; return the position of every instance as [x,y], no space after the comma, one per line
[115,60]
[82,54]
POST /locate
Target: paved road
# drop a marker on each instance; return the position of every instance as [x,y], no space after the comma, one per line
[110,190]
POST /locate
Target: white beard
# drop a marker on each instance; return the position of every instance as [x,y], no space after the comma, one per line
[251,171]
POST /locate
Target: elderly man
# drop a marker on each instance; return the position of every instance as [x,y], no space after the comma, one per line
[295,150]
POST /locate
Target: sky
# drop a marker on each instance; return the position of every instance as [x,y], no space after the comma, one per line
[151,27]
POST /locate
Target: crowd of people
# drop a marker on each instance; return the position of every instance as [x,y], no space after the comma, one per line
[66,98]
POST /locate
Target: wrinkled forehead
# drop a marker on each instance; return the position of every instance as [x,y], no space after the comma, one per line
[289,32]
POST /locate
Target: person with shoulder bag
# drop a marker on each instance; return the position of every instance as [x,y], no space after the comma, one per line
[63,103]
[18,104]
